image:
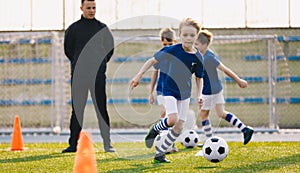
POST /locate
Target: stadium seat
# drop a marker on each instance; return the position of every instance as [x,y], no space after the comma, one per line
[295,100]
[146,80]
[46,102]
[254,79]
[25,81]
[280,57]
[122,59]
[281,78]
[118,80]
[17,61]
[278,100]
[281,38]
[12,81]
[139,101]
[253,57]
[228,79]
[294,58]
[254,100]
[295,78]
[8,102]
[24,41]
[142,59]
[4,42]
[47,81]
[43,41]
[116,101]
[26,103]
[232,100]
[34,81]
[40,60]
[293,38]
[288,38]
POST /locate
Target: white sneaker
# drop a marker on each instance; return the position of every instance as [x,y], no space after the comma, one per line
[200,145]
[199,154]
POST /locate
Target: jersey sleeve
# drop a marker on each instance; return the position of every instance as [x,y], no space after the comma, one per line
[156,66]
[199,69]
[163,54]
[212,61]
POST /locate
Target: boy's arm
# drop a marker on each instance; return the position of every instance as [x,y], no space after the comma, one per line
[152,85]
[241,82]
[137,78]
[199,83]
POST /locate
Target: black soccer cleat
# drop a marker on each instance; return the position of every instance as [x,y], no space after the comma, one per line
[160,158]
[109,149]
[248,134]
[70,149]
[149,139]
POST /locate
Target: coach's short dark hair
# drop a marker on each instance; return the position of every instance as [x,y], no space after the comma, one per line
[82,1]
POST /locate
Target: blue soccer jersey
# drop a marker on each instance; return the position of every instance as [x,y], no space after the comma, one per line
[211,82]
[179,69]
[158,66]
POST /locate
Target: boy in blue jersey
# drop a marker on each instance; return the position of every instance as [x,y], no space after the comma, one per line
[182,61]
[212,93]
[167,38]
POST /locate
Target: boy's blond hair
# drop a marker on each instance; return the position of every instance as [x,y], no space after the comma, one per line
[205,37]
[190,22]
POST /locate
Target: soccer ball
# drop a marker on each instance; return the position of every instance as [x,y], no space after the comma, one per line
[158,141]
[215,149]
[190,139]
[56,129]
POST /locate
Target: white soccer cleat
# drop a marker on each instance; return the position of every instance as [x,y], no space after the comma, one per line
[199,154]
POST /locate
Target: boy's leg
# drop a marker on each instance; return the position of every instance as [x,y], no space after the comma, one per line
[235,121]
[183,107]
[208,104]
[168,142]
[161,125]
[154,131]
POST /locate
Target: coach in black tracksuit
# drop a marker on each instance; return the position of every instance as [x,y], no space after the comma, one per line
[89,45]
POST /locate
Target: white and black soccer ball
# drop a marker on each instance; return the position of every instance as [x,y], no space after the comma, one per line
[189,139]
[215,149]
[158,141]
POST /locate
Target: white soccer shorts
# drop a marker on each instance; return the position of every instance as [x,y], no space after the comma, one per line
[181,107]
[209,101]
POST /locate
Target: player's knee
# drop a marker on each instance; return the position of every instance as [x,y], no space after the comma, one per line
[222,114]
[172,119]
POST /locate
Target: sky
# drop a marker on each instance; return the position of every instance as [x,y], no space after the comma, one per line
[59,14]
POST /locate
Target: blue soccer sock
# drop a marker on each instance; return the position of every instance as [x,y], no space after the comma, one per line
[161,125]
[207,128]
[235,121]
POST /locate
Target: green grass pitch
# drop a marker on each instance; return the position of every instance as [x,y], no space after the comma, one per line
[134,157]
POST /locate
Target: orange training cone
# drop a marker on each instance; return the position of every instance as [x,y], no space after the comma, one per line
[85,159]
[17,138]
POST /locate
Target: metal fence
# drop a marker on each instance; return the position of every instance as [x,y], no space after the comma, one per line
[35,81]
